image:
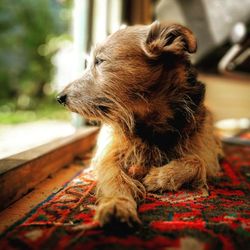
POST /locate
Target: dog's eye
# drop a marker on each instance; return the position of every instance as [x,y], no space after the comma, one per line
[98,61]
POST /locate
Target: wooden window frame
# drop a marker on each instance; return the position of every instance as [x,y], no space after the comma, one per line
[21,172]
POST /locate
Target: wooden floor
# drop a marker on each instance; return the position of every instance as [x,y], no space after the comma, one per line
[227,97]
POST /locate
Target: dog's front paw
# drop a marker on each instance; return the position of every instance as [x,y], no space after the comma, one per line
[160,179]
[117,210]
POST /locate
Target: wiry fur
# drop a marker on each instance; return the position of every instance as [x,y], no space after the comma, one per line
[142,86]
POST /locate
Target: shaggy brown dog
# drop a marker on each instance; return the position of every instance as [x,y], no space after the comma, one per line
[142,86]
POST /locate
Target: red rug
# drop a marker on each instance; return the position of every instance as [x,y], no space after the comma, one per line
[181,220]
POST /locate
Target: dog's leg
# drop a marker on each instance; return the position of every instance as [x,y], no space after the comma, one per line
[173,175]
[117,194]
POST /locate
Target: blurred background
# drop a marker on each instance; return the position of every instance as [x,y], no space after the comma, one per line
[44,45]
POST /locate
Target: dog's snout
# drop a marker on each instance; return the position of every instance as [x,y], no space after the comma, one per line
[62,99]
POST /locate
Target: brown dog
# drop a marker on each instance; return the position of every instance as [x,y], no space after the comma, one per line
[142,86]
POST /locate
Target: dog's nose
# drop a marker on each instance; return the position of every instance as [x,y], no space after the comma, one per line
[62,99]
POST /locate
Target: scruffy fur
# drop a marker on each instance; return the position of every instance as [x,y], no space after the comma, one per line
[143,88]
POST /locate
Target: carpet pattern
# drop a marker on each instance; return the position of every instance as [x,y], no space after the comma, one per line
[186,219]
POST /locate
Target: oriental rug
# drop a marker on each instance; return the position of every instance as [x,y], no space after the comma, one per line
[187,219]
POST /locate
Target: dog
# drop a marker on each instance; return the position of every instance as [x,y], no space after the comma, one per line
[142,86]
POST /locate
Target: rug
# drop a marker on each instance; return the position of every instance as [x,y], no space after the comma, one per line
[186,219]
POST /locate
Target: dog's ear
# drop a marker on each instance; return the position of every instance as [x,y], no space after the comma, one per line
[169,38]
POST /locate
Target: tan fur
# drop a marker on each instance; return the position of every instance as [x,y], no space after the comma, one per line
[199,160]
[145,92]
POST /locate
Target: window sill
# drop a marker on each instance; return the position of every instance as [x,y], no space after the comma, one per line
[20,173]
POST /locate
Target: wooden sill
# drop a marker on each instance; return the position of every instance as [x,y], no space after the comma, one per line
[20,173]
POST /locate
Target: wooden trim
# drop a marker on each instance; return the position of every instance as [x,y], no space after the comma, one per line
[138,11]
[22,172]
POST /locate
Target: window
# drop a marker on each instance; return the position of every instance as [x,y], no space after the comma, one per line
[43,48]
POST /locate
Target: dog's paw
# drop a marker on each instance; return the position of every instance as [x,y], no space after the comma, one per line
[159,179]
[117,210]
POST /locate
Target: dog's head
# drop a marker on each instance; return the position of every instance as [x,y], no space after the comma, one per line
[136,73]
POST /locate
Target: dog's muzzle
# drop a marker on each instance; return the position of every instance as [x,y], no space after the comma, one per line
[62,99]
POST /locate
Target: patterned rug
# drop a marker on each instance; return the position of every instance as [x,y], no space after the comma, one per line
[182,220]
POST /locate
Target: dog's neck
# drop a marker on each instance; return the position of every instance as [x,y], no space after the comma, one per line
[175,115]
[168,131]
[169,135]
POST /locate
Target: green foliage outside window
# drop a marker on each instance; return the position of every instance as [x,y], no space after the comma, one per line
[30,33]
